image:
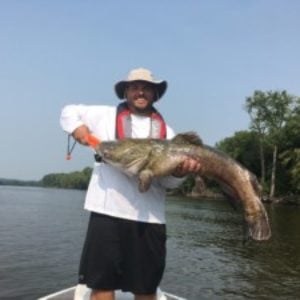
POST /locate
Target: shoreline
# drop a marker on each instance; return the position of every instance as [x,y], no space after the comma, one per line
[293,200]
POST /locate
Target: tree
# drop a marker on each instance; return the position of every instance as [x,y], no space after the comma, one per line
[73,180]
[269,111]
[290,156]
[255,107]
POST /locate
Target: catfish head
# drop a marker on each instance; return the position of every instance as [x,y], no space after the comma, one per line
[128,155]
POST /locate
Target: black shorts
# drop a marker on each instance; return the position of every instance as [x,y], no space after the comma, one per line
[123,254]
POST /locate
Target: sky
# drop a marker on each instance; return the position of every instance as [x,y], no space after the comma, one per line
[213,55]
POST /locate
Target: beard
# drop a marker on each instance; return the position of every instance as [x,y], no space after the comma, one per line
[138,107]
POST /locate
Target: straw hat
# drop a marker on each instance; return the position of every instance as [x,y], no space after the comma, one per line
[140,74]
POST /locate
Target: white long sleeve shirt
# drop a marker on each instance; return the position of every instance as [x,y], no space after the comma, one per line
[110,191]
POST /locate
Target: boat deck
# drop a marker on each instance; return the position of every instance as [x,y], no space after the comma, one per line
[81,292]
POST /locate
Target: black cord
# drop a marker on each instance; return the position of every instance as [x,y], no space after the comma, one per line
[70,149]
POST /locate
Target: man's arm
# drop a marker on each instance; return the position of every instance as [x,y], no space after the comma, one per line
[72,121]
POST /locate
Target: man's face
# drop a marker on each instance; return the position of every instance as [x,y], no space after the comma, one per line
[140,96]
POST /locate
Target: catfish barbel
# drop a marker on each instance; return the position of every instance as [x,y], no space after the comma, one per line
[152,158]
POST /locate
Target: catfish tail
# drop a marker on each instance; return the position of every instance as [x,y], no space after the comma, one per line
[259,228]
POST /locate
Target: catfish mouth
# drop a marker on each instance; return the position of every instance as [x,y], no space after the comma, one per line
[126,156]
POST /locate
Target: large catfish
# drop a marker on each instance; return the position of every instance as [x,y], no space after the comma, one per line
[150,158]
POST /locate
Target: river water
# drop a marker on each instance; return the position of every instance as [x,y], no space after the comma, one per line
[42,232]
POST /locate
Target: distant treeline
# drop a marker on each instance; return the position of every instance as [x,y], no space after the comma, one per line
[17,182]
[74,180]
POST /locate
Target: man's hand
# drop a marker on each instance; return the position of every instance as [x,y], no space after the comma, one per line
[80,134]
[189,165]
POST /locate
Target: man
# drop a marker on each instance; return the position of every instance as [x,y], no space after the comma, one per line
[126,237]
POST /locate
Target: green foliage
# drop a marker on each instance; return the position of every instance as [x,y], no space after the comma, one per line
[186,186]
[73,180]
[275,121]
[270,112]
[290,154]
[290,159]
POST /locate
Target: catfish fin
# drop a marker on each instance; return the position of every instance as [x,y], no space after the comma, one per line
[145,180]
[187,137]
[259,228]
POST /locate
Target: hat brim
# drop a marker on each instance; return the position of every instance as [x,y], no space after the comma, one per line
[160,87]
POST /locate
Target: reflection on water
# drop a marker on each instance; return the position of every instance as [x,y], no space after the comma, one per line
[206,251]
[42,231]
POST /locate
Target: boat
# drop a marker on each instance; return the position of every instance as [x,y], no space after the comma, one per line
[82,292]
